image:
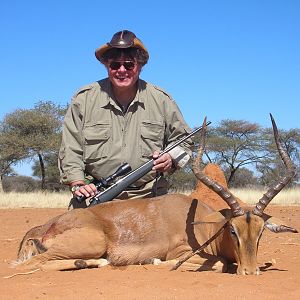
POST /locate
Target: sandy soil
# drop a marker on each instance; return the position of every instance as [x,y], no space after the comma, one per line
[278,259]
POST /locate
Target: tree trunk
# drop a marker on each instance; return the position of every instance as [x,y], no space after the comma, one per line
[1,185]
[43,182]
[231,175]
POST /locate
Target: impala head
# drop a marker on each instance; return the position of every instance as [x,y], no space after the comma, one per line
[245,232]
[245,226]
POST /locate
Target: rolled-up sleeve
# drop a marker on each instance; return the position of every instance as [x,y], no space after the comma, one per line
[177,129]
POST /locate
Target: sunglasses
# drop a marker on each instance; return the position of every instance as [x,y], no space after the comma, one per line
[116,65]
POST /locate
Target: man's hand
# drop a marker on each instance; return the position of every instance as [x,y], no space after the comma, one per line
[88,190]
[163,163]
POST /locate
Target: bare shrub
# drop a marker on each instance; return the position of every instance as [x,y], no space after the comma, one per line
[20,184]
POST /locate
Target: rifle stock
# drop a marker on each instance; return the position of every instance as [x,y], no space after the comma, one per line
[114,190]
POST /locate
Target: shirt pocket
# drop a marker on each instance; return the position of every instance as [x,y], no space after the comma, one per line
[152,138]
[96,141]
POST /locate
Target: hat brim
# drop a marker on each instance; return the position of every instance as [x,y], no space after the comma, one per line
[101,50]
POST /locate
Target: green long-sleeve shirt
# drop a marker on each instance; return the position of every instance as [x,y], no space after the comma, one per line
[98,137]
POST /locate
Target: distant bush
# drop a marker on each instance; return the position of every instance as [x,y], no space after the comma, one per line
[25,184]
[20,184]
[243,178]
[181,180]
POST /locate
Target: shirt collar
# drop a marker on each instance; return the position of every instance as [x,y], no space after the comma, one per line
[139,97]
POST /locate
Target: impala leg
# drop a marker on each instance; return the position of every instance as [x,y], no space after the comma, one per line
[73,249]
[211,263]
[71,264]
[42,263]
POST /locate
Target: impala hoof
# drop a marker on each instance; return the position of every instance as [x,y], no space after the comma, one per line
[80,264]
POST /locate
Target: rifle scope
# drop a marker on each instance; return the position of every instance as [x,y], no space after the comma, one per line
[105,182]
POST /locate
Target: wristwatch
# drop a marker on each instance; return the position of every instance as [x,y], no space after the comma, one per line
[75,187]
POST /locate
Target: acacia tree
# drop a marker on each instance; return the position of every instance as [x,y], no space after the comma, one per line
[36,131]
[10,154]
[271,166]
[51,171]
[243,178]
[182,180]
[5,168]
[233,145]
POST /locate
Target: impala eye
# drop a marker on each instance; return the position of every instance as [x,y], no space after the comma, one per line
[234,236]
[232,231]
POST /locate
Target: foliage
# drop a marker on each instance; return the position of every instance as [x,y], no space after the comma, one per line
[243,178]
[33,132]
[20,184]
[271,166]
[248,152]
[10,153]
[244,150]
[52,181]
[182,180]
[233,145]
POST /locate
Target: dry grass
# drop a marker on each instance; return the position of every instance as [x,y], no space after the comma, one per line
[61,200]
[285,197]
[37,199]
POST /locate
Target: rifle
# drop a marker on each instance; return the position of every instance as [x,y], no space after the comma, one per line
[132,176]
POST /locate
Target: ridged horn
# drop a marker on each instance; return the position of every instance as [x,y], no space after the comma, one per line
[290,173]
[229,198]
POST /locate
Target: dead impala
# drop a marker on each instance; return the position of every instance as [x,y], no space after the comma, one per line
[140,231]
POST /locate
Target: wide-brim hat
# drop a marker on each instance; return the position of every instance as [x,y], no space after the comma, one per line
[122,39]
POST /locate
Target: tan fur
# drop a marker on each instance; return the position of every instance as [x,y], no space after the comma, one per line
[246,242]
[205,194]
[124,232]
[141,230]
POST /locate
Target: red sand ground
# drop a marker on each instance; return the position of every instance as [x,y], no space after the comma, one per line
[278,259]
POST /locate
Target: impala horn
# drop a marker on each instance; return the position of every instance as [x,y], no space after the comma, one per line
[229,198]
[290,173]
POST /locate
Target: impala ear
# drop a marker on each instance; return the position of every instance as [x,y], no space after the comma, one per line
[276,225]
[215,217]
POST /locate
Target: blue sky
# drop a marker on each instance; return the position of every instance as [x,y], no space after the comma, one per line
[221,59]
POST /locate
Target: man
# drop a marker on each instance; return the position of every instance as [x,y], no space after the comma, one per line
[121,119]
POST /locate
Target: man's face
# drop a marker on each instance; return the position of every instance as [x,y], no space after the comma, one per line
[123,72]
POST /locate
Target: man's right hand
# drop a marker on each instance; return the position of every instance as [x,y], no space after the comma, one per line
[88,190]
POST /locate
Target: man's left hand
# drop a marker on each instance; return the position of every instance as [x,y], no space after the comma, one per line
[163,163]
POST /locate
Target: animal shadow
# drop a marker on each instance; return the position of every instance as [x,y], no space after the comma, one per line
[270,267]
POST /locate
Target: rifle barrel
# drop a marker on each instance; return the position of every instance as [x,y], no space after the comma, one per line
[115,189]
